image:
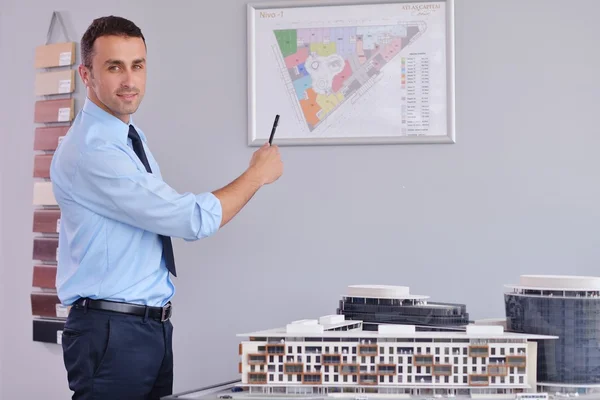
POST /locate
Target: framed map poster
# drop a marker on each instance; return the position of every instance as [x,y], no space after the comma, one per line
[351,73]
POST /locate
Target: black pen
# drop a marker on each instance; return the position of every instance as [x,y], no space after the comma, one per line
[273,129]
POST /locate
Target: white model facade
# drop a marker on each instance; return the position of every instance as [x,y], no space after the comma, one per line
[332,355]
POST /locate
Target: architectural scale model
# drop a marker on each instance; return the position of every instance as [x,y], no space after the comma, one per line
[335,356]
[385,342]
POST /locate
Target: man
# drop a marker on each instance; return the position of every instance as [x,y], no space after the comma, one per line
[117,220]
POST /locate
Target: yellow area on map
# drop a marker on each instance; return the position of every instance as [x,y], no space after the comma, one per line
[323,49]
[329,102]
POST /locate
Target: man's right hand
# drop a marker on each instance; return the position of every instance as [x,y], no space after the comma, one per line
[266,164]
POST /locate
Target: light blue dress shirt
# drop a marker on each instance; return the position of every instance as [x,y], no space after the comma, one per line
[112,211]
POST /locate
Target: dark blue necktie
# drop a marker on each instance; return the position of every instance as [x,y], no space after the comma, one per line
[166,240]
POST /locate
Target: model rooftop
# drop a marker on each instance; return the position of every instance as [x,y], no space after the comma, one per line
[557,283]
[382,292]
[331,326]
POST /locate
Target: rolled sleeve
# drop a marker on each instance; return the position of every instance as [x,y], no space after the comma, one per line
[208,215]
[109,183]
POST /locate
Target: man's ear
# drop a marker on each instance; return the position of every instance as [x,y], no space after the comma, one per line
[84,73]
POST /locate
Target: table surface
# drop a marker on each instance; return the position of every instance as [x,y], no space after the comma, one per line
[206,393]
[223,391]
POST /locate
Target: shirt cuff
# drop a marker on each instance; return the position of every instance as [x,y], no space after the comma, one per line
[208,213]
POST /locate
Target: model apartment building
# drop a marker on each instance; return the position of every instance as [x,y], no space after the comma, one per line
[334,354]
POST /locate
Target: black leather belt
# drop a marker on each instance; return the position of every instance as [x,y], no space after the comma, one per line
[158,313]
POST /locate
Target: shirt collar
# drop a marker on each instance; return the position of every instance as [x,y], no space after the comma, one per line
[117,127]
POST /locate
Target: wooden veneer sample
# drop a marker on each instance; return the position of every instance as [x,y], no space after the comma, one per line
[48,138]
[59,110]
[41,165]
[46,221]
[55,55]
[45,249]
[44,304]
[55,82]
[43,195]
[44,276]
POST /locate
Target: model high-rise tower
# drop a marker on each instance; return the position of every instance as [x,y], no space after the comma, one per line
[567,307]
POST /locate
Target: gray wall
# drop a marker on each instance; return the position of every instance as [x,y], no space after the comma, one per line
[3,191]
[517,194]
[3,298]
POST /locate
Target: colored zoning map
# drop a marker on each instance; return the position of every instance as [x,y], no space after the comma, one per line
[328,65]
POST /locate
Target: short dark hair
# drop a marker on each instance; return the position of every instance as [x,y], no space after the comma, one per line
[106,26]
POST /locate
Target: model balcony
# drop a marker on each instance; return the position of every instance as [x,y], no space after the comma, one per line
[367,379]
[332,359]
[479,380]
[293,368]
[367,350]
[497,370]
[386,369]
[257,378]
[349,369]
[481,350]
[275,349]
[312,378]
[257,359]
[442,369]
[423,360]
[516,361]
[313,350]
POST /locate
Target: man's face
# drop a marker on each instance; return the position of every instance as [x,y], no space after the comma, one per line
[117,80]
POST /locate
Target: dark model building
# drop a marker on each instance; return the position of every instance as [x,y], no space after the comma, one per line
[567,307]
[379,304]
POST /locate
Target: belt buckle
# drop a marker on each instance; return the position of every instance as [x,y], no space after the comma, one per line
[166,312]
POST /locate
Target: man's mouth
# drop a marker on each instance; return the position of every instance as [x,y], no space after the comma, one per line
[127,96]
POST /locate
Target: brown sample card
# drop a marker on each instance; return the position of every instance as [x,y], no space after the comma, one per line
[44,277]
[45,304]
[41,165]
[45,249]
[46,221]
[59,110]
[48,138]
[55,55]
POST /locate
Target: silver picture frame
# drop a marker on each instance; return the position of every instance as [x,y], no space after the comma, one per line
[260,125]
